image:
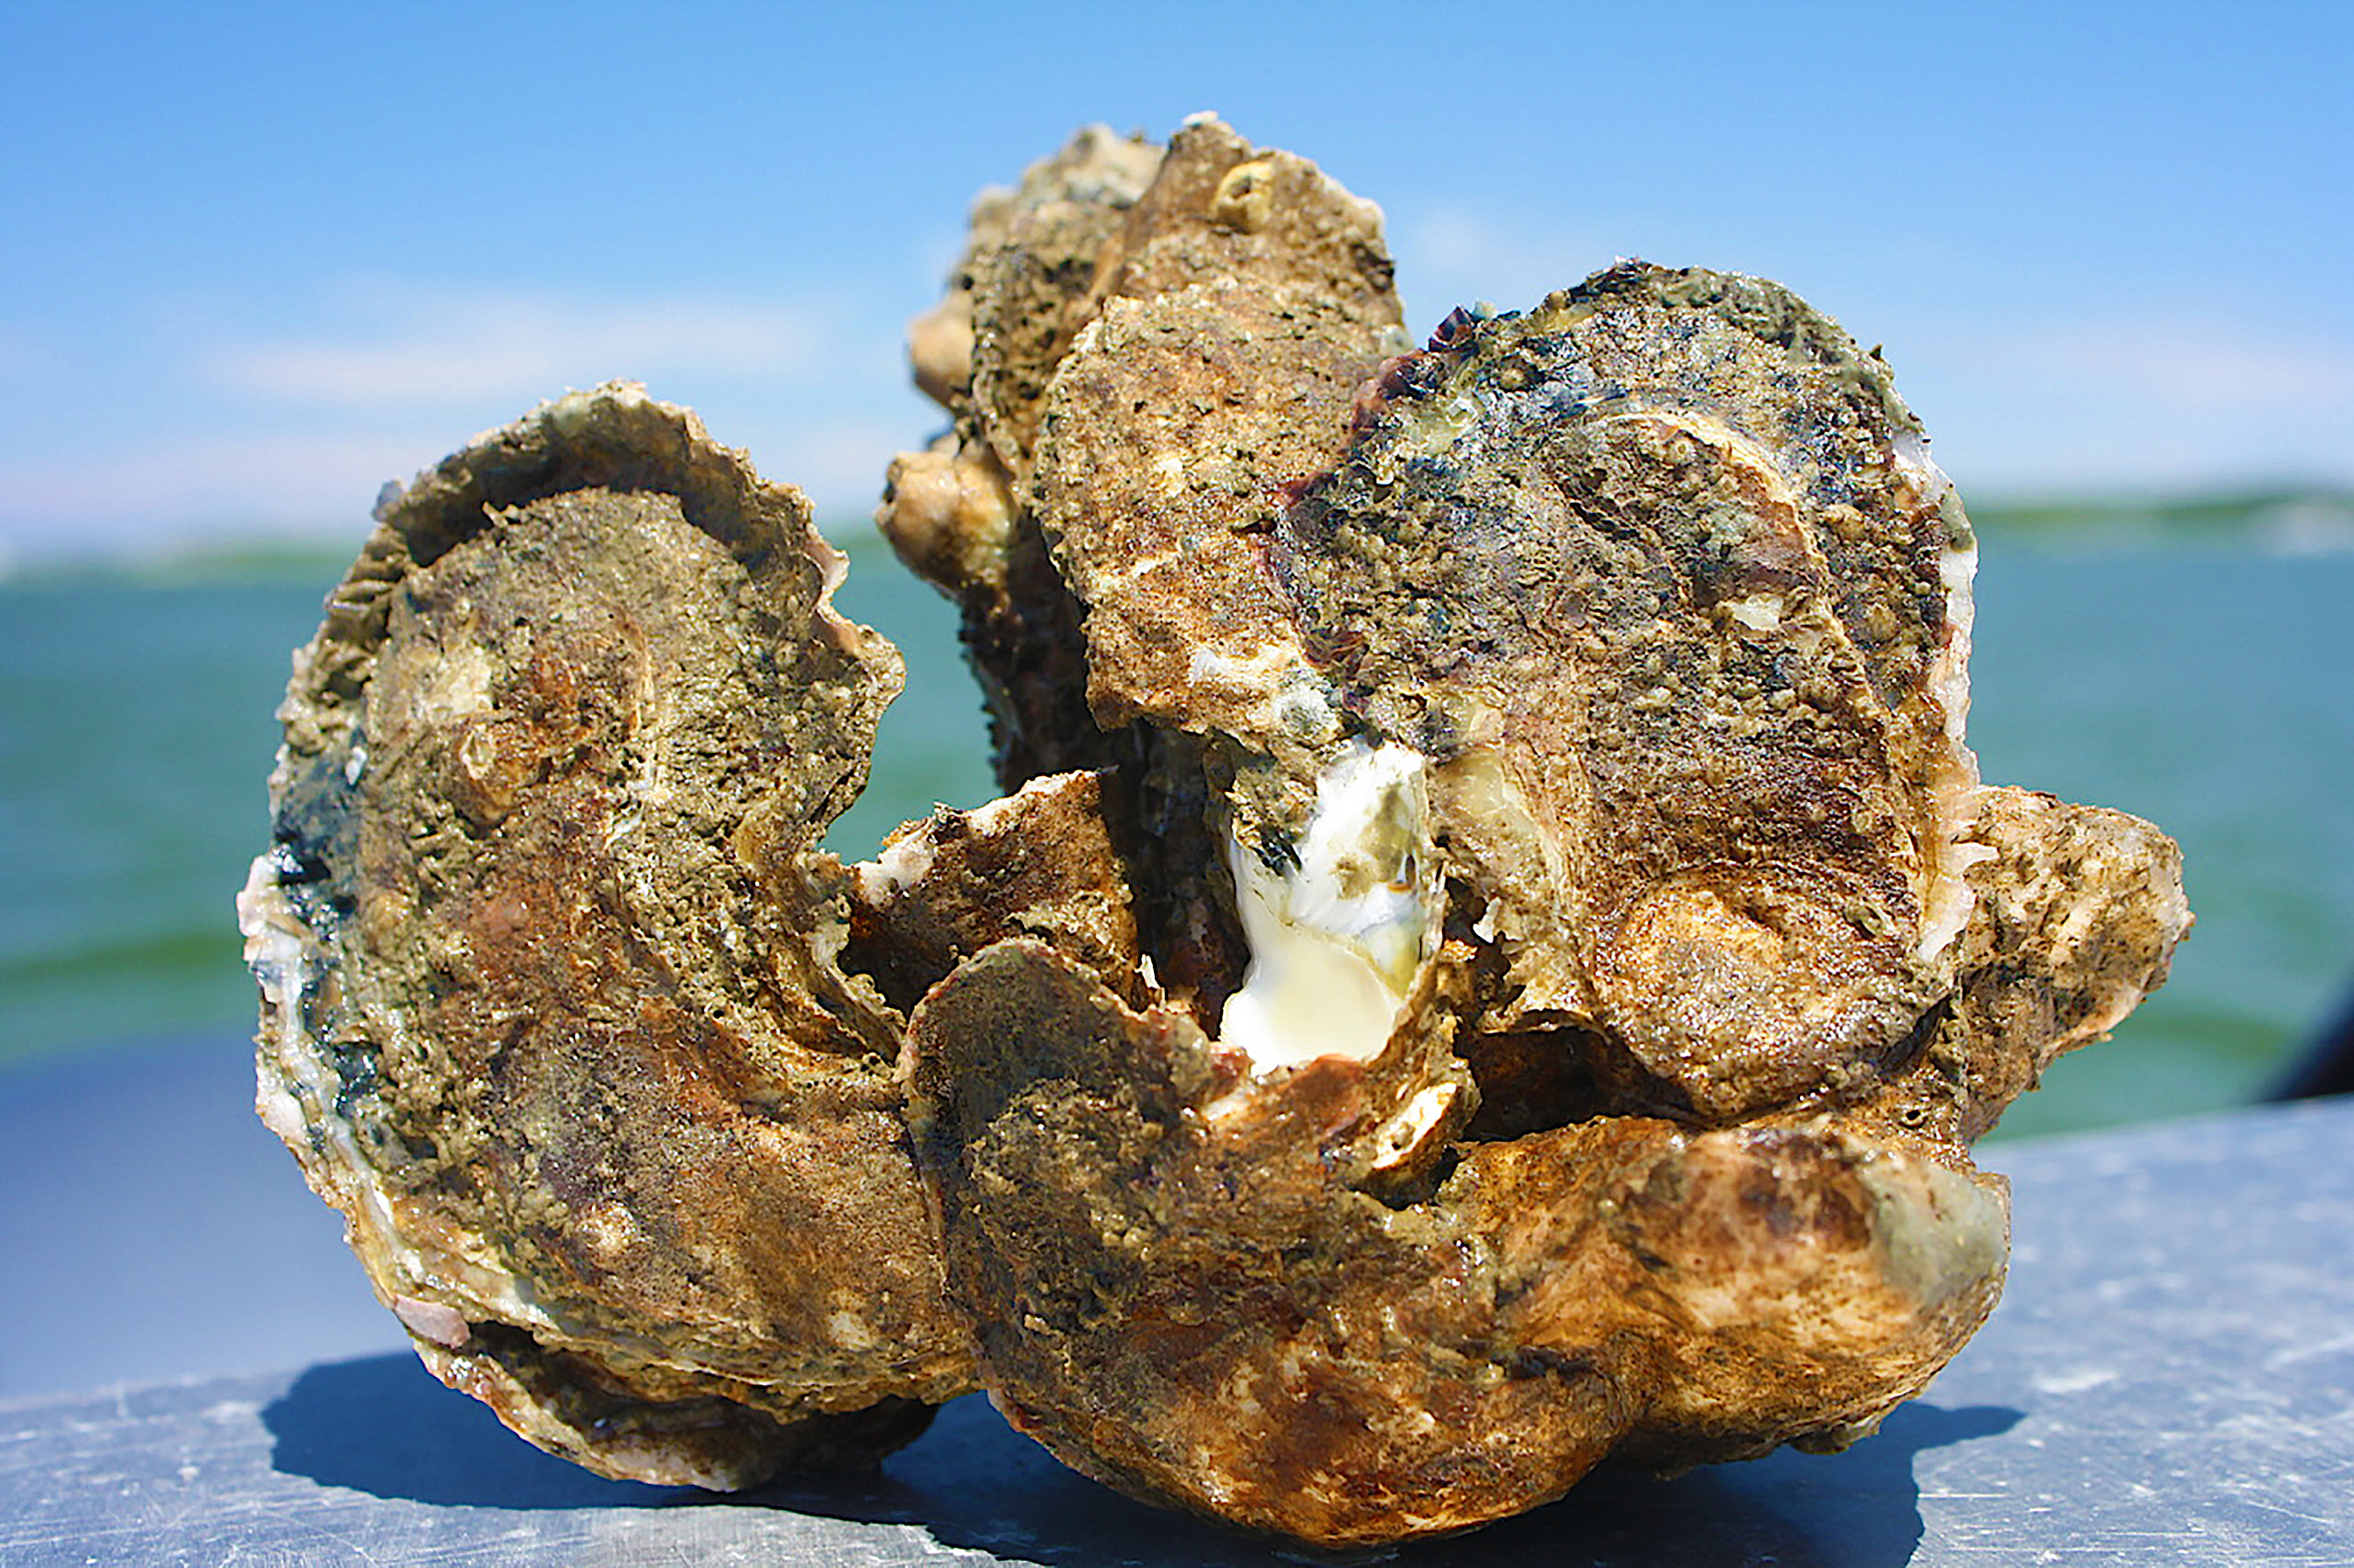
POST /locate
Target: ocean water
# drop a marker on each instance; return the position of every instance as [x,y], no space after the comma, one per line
[2203,686]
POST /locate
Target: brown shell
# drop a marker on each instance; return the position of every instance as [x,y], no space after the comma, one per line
[1103,229]
[550,1006]
[1646,576]
[1187,1288]
[1176,426]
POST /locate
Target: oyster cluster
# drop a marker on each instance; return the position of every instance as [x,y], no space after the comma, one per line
[1494,952]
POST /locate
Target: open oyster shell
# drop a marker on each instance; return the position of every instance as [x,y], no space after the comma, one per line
[1632,950]
[1196,1290]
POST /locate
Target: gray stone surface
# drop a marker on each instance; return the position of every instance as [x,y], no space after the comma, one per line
[151,1228]
[2170,1381]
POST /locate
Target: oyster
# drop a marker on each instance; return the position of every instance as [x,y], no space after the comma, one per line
[1581,700]
[1492,955]
[550,1004]
[1082,289]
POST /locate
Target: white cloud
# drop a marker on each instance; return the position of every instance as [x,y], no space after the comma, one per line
[272,482]
[839,462]
[2161,400]
[389,346]
[161,487]
[260,481]
[2196,364]
[298,426]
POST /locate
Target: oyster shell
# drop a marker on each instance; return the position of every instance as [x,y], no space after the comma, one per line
[1052,862]
[1265,290]
[550,1006]
[1654,576]
[1082,280]
[1197,1290]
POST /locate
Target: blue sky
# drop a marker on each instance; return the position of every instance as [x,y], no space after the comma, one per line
[261,259]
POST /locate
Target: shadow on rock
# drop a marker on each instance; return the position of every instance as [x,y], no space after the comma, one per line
[385,1427]
[974,1483]
[1861,1509]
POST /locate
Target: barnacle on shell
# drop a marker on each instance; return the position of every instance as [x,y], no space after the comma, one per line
[1494,953]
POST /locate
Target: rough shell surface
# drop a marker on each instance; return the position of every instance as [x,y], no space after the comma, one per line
[550,1010]
[1104,232]
[1653,577]
[1193,1289]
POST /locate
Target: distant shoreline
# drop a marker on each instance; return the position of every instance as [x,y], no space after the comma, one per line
[2319,515]
[2289,518]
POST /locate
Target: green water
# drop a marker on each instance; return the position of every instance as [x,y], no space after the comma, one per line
[2202,685]
[2204,688]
